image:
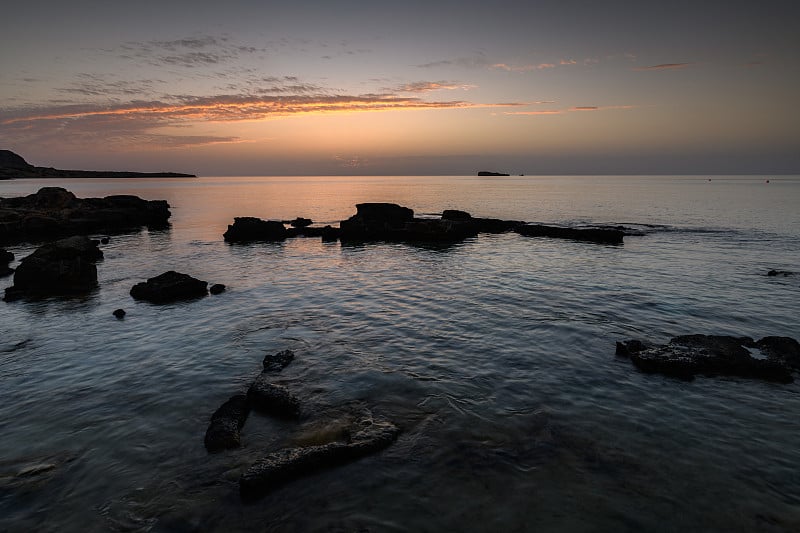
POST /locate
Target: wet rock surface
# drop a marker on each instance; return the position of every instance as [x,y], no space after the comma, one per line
[272,399]
[686,356]
[598,235]
[217,288]
[61,268]
[54,212]
[283,466]
[278,361]
[248,229]
[168,287]
[780,273]
[223,431]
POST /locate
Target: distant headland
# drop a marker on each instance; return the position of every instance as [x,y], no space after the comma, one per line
[14,166]
[487,173]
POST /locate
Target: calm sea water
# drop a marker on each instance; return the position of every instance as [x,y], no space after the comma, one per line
[495,356]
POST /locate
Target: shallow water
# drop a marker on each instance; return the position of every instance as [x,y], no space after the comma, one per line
[495,356]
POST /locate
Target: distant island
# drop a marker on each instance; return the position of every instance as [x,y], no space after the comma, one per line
[14,166]
[487,173]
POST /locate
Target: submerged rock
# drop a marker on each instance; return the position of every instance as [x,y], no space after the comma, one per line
[272,399]
[686,356]
[64,267]
[283,466]
[300,222]
[119,313]
[279,361]
[226,423]
[54,212]
[170,286]
[783,273]
[599,235]
[247,229]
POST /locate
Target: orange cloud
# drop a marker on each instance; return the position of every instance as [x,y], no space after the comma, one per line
[427,86]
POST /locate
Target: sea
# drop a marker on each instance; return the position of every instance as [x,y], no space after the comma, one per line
[494,356]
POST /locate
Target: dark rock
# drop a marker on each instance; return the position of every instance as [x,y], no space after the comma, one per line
[119,313]
[710,355]
[487,173]
[217,288]
[279,361]
[5,258]
[54,212]
[272,399]
[376,221]
[226,423]
[247,229]
[169,287]
[64,267]
[286,465]
[783,349]
[599,235]
[300,222]
[329,234]
[104,240]
[455,214]
[783,273]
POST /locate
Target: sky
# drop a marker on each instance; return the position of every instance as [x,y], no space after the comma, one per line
[403,88]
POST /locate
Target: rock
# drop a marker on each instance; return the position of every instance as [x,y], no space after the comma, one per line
[376,221]
[272,399]
[54,212]
[169,287]
[279,361]
[226,423]
[300,222]
[329,234]
[455,214]
[686,356]
[60,268]
[119,313]
[783,273]
[247,229]
[487,173]
[104,240]
[217,288]
[286,465]
[783,349]
[599,235]
[5,258]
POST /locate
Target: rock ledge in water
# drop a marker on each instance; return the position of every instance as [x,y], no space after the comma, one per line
[247,229]
[170,286]
[286,465]
[226,423]
[598,235]
[60,268]
[686,356]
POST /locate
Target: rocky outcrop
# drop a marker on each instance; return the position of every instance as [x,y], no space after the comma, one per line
[248,229]
[391,222]
[226,423]
[14,166]
[54,212]
[686,356]
[5,258]
[61,268]
[299,222]
[278,468]
[598,235]
[217,288]
[169,287]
